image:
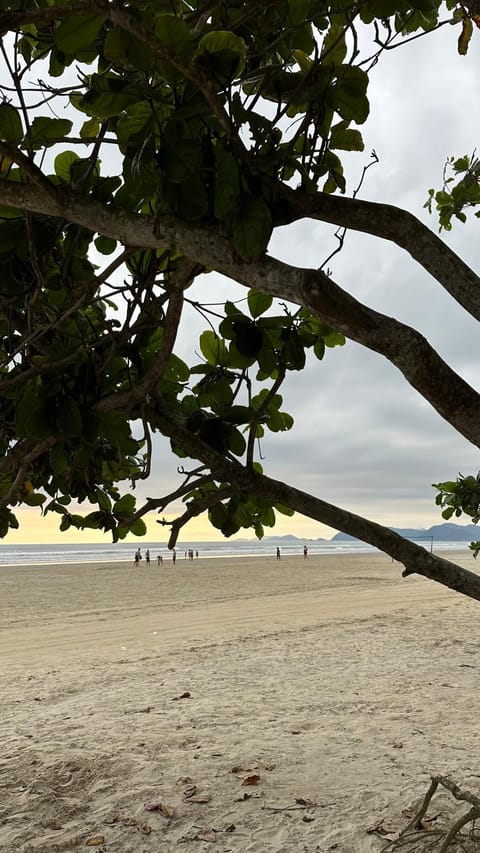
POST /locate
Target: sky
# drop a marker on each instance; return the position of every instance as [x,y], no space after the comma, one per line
[363,439]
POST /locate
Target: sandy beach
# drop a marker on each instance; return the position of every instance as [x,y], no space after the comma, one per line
[230,705]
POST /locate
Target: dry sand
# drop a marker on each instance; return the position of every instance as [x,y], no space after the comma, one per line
[330,681]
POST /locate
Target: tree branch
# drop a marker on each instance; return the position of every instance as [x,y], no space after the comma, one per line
[390,223]
[415,558]
[407,349]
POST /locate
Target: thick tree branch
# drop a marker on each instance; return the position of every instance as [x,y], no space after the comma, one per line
[452,397]
[28,167]
[22,455]
[394,224]
[409,351]
[159,504]
[195,508]
[415,558]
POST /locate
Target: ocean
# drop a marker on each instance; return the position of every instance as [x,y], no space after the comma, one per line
[125,551]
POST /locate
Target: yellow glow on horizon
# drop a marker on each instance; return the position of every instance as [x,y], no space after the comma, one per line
[37,530]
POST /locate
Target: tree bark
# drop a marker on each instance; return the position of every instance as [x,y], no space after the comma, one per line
[390,223]
[410,352]
[413,557]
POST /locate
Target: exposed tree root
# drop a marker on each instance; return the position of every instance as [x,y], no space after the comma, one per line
[418,837]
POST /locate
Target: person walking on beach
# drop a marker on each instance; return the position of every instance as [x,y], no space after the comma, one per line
[305,552]
[147,556]
[138,556]
[174,556]
[279,556]
[160,560]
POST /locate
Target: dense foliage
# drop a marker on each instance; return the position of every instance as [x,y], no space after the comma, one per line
[143,144]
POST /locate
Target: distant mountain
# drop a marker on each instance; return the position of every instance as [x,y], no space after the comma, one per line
[290,538]
[447,532]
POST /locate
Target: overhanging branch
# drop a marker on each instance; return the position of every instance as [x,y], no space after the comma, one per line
[390,223]
[414,558]
[410,352]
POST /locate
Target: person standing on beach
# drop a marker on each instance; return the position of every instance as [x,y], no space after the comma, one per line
[174,556]
[147,556]
[305,552]
[279,556]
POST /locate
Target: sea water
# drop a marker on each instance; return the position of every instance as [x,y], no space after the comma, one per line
[125,551]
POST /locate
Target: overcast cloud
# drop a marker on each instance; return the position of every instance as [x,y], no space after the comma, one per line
[363,439]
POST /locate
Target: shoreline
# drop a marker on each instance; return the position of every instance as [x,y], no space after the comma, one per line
[455,550]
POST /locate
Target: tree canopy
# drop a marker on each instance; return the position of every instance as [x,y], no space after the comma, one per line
[144,144]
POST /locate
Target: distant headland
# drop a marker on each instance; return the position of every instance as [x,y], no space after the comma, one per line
[446,532]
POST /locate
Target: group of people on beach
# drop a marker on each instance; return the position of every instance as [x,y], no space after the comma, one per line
[305,553]
[138,557]
[189,555]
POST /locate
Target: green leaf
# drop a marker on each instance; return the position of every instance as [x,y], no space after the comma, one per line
[334,48]
[259,531]
[63,165]
[298,10]
[59,459]
[69,419]
[177,370]
[32,414]
[217,515]
[348,95]
[65,523]
[94,520]
[236,442]
[90,128]
[11,129]
[105,245]
[138,528]
[123,50]
[279,422]
[106,96]
[174,33]
[34,499]
[46,131]
[125,507]
[334,339]
[103,500]
[346,139]
[285,510]
[258,302]
[239,415]
[248,338]
[213,348]
[252,227]
[180,160]
[227,49]
[268,517]
[227,183]
[77,33]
